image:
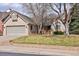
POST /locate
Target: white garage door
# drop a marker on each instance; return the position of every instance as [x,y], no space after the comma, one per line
[15,30]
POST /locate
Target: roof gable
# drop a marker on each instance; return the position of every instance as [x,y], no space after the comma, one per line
[23,17]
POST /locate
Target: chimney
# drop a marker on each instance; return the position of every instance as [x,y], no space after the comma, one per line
[9,10]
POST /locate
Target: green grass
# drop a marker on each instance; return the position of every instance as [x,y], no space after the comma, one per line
[54,40]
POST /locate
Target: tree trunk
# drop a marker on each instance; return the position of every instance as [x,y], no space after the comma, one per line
[40,29]
[67,29]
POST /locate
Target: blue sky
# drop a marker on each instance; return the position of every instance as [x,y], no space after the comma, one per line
[15,6]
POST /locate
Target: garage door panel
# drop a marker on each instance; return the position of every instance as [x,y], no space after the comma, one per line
[16,30]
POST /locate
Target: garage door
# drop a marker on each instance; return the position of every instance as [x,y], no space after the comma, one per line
[15,30]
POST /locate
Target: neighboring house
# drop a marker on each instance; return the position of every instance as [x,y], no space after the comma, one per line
[58,26]
[16,23]
[1,28]
[51,24]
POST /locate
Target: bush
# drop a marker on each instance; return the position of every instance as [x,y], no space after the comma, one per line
[58,33]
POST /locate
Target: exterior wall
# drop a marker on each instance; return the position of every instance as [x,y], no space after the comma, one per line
[61,28]
[34,29]
[17,23]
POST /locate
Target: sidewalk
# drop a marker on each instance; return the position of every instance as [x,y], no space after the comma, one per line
[5,46]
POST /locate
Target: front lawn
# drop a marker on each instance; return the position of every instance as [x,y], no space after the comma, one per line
[46,40]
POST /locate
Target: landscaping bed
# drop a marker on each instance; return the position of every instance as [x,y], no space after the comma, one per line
[48,40]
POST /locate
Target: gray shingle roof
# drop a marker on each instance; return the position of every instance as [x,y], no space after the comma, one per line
[5,15]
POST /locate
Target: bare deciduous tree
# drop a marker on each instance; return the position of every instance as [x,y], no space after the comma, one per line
[38,12]
[67,18]
[65,11]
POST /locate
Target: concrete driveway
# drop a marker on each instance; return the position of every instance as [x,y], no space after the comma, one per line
[8,37]
[4,40]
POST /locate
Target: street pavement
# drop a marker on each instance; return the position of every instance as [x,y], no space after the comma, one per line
[18,54]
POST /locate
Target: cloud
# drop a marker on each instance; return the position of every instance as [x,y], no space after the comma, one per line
[4,4]
[10,5]
[14,6]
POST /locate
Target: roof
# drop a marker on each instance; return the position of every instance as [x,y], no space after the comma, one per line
[47,21]
[5,15]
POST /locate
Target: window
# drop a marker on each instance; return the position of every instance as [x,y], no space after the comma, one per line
[14,17]
[14,20]
[58,26]
[31,27]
